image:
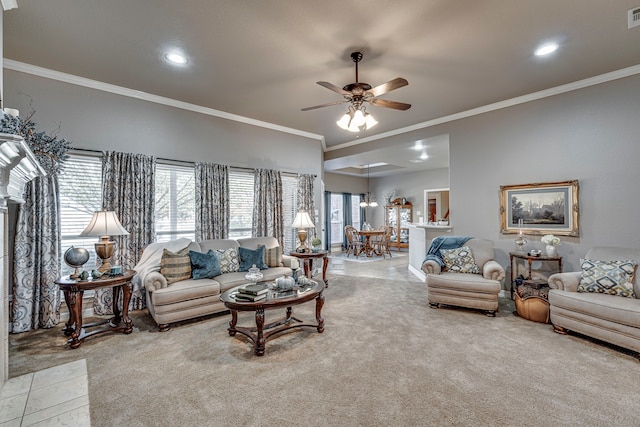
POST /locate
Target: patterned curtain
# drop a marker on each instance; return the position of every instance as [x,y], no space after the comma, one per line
[36,298]
[128,189]
[212,201]
[267,209]
[305,194]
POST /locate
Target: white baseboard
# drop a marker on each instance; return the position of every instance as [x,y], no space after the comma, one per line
[418,273]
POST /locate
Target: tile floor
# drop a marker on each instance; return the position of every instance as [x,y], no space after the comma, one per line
[57,396]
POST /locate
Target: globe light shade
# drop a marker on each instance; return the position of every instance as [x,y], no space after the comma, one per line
[344,121]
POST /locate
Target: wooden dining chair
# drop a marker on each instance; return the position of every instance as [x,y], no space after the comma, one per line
[354,243]
[382,245]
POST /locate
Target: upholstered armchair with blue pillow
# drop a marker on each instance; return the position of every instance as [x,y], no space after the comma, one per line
[602,300]
[466,276]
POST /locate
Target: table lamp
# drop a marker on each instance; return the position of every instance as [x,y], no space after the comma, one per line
[302,221]
[104,224]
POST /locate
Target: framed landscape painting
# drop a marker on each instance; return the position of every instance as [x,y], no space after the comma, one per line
[541,208]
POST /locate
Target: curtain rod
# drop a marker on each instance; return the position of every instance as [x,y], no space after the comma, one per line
[183,162]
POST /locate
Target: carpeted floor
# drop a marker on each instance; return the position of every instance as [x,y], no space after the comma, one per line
[385,358]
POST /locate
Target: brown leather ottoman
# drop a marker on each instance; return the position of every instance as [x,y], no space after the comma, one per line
[532,300]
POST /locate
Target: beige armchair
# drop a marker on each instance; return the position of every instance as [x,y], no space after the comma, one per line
[610,318]
[478,291]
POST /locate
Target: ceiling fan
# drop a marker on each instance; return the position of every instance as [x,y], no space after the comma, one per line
[357,94]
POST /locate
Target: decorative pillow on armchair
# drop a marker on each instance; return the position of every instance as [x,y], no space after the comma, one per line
[460,260]
[251,257]
[175,266]
[204,266]
[608,277]
[228,259]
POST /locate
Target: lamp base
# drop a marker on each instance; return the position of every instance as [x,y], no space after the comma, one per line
[302,236]
[104,251]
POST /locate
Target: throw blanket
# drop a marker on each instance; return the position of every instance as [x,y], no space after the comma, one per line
[151,257]
[449,242]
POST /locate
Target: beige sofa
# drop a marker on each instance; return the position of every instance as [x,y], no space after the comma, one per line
[479,291]
[609,318]
[191,298]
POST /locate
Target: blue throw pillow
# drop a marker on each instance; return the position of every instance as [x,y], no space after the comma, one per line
[249,257]
[204,266]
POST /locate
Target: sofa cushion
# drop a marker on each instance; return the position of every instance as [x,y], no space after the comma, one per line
[607,277]
[185,290]
[204,266]
[460,260]
[251,257]
[175,266]
[228,259]
[596,307]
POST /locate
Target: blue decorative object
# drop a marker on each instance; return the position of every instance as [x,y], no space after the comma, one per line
[204,266]
[249,257]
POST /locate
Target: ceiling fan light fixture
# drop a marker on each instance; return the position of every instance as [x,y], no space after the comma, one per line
[344,121]
[369,121]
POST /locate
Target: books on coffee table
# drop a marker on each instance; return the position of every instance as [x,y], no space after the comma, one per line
[248,297]
[254,289]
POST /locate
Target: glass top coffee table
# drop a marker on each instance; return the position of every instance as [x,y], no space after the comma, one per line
[274,299]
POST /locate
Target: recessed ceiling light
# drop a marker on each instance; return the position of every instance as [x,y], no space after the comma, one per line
[176,58]
[546,49]
[424,155]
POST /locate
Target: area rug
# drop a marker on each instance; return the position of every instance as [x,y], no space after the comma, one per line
[385,358]
[363,258]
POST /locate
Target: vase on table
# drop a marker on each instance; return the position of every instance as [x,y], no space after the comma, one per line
[551,251]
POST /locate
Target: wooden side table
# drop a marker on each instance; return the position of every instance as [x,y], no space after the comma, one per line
[73,291]
[529,259]
[307,260]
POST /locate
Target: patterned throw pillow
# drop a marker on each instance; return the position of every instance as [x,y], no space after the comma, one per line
[608,277]
[228,259]
[175,266]
[251,257]
[459,260]
[204,266]
[273,256]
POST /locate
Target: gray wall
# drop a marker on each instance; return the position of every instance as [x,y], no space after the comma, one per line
[592,135]
[94,119]
[410,186]
[337,183]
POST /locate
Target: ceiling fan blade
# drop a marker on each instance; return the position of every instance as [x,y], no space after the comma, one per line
[390,104]
[328,104]
[334,88]
[388,86]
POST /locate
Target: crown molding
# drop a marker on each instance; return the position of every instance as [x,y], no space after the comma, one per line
[9,4]
[580,84]
[46,73]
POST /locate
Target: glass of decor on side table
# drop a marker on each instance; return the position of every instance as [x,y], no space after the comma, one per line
[551,241]
[521,241]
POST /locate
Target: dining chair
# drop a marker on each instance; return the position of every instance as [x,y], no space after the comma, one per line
[354,243]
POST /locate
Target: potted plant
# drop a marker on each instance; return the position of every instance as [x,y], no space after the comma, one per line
[316,243]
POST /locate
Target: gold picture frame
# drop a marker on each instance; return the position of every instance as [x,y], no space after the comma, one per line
[545,208]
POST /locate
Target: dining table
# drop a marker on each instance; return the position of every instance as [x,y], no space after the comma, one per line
[368,249]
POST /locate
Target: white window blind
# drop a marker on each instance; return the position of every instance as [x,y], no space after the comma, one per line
[240,204]
[289,204]
[175,202]
[80,184]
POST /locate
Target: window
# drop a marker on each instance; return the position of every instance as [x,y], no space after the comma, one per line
[289,205]
[80,184]
[175,202]
[240,204]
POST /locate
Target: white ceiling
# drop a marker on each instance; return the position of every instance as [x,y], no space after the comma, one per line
[261,59]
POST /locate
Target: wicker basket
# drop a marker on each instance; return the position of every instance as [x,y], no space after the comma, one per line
[532,308]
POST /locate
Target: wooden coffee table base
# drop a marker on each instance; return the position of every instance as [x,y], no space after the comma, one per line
[261,332]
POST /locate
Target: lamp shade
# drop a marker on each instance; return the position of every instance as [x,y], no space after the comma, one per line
[302,220]
[104,223]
